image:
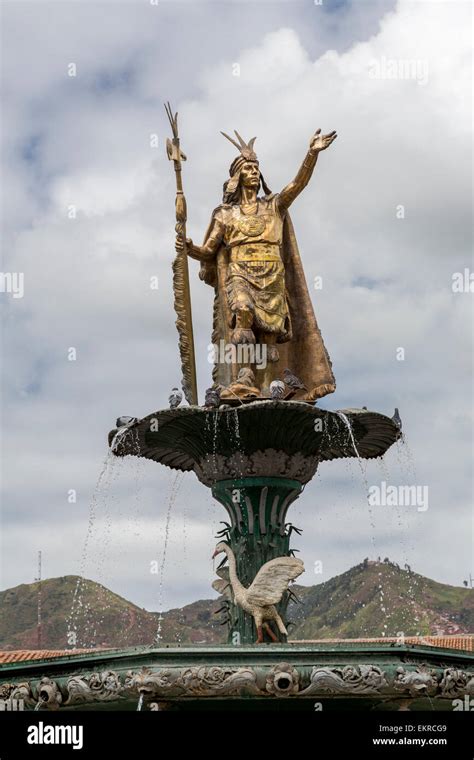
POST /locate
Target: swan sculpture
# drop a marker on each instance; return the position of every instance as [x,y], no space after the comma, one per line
[266,590]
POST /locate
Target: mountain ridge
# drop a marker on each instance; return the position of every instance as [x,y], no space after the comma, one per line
[371,599]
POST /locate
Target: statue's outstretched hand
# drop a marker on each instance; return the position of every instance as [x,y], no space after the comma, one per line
[320,142]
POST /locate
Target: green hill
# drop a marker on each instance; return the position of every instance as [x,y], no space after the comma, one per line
[371,599]
[380,598]
[82,613]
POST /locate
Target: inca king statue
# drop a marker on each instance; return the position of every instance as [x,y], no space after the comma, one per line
[250,257]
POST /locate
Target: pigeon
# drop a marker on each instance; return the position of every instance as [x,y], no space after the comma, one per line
[292,381]
[246,377]
[212,397]
[118,433]
[175,398]
[277,389]
[397,419]
[122,421]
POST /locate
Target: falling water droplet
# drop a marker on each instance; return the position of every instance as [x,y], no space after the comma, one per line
[102,484]
[175,486]
[348,425]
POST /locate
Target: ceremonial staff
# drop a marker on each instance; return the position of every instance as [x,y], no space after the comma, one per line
[182,294]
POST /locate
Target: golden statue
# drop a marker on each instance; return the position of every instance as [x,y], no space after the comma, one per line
[262,308]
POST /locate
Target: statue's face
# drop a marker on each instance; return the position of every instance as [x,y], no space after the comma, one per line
[250,174]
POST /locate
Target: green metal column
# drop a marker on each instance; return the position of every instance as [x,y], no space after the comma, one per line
[257,509]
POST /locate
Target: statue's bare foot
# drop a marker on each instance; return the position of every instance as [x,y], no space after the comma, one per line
[242,335]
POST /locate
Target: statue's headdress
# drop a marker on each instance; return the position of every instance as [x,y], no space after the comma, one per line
[246,149]
[247,153]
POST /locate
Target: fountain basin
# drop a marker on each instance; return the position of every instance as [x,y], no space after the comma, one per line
[263,438]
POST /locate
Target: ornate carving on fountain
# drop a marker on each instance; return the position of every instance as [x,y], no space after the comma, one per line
[351,679]
[269,463]
[97,687]
[21,692]
[283,680]
[49,695]
[258,507]
[201,681]
[419,682]
[277,680]
[456,683]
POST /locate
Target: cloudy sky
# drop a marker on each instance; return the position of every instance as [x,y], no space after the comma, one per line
[88,218]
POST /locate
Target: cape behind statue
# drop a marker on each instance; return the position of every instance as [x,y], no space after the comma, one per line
[305,353]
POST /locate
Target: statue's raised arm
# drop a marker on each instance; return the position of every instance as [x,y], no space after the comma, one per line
[317,143]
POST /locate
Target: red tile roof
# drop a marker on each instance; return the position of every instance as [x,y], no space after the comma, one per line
[24,655]
[465,642]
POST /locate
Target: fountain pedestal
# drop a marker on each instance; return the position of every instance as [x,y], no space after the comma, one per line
[256,458]
[257,533]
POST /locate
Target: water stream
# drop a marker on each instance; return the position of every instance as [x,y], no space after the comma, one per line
[175,486]
[363,470]
[185,562]
[405,456]
[101,488]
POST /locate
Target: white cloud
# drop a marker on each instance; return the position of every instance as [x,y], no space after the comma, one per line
[386,281]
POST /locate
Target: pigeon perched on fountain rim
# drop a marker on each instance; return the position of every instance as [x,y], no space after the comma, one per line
[212,397]
[125,420]
[293,381]
[277,389]
[397,419]
[175,398]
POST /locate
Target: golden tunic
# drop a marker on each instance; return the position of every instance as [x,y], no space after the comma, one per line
[256,274]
